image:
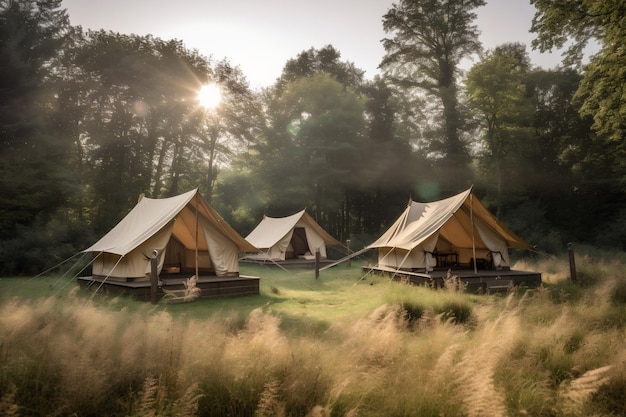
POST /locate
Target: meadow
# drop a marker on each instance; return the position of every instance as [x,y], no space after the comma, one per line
[345,344]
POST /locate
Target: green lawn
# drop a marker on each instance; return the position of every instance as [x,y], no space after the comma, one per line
[339,293]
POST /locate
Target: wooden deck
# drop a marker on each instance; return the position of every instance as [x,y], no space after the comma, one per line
[288,263]
[483,281]
[211,286]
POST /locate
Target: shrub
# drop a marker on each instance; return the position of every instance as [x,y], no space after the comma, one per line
[565,291]
[414,310]
[457,311]
[557,363]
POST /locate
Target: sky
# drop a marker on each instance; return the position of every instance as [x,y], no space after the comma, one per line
[260,36]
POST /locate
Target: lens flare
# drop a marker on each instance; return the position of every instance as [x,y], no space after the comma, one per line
[209,96]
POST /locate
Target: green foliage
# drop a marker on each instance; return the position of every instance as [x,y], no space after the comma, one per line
[613,234]
[43,244]
[449,304]
[458,311]
[558,364]
[597,20]
[566,291]
[428,41]
[498,98]
[414,310]
[237,199]
[33,179]
[322,61]
[311,155]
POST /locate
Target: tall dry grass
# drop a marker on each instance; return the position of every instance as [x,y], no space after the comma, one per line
[539,353]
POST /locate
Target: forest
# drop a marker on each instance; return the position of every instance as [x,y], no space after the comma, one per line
[90,120]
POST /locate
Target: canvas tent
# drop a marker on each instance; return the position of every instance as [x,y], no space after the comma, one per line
[458,230]
[295,236]
[186,232]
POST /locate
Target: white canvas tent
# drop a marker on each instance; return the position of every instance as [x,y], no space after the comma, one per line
[458,229]
[295,236]
[187,233]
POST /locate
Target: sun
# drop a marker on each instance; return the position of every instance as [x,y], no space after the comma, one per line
[210,96]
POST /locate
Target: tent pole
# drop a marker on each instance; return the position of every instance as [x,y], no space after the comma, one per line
[473,241]
[196,197]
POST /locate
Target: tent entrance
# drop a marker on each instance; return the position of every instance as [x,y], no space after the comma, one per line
[179,259]
[298,245]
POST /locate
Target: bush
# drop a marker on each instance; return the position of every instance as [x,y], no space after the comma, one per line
[414,310]
[40,246]
[457,311]
[565,291]
[529,220]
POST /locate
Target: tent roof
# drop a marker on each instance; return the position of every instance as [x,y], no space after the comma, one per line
[453,217]
[272,229]
[151,215]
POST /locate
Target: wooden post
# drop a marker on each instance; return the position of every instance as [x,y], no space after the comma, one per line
[572,261]
[317,263]
[349,253]
[154,276]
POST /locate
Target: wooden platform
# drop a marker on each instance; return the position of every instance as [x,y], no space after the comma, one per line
[212,286]
[288,263]
[483,281]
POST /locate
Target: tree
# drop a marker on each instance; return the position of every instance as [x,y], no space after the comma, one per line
[140,118]
[387,158]
[284,131]
[35,180]
[326,61]
[230,127]
[398,165]
[310,152]
[430,37]
[599,166]
[33,176]
[602,88]
[497,96]
[563,163]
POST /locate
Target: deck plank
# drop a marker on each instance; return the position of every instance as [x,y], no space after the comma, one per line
[211,286]
[480,281]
